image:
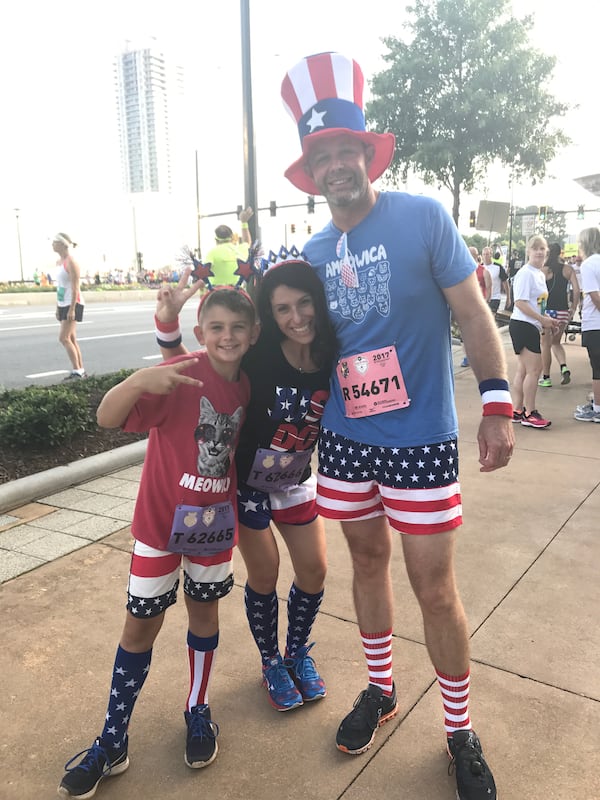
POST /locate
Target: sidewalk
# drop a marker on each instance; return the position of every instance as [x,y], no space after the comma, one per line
[527,563]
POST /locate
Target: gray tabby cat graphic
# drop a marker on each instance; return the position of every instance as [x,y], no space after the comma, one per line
[214,436]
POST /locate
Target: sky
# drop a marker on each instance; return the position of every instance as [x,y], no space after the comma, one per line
[59,158]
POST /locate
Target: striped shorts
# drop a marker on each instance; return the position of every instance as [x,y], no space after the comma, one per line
[416,488]
[154,579]
[295,506]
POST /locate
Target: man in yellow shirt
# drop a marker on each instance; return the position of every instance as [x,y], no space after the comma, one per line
[224,255]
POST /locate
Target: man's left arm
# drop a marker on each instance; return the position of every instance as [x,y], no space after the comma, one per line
[486,357]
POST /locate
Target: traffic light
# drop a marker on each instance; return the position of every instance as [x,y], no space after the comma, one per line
[273,208]
[472,219]
[311,204]
[543,212]
[580,212]
[309,229]
[293,228]
[239,211]
[140,259]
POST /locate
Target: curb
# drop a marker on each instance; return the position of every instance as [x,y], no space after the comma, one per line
[25,490]
[20,299]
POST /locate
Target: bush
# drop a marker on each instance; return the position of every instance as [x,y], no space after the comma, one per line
[43,417]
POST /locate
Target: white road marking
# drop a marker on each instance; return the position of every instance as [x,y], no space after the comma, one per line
[48,374]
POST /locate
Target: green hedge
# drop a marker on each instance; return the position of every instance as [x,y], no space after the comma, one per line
[46,416]
[30,288]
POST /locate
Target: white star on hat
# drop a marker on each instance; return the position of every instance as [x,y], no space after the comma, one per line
[316,120]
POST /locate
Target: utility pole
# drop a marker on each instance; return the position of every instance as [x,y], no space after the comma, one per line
[19,243]
[198,254]
[250,194]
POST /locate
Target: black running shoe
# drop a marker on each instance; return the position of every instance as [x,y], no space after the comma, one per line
[98,762]
[371,709]
[474,779]
[201,744]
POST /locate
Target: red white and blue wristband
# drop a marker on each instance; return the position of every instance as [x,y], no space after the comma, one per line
[168,334]
[496,398]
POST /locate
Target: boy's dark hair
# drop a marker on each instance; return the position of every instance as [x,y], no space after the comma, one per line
[235,300]
[301,276]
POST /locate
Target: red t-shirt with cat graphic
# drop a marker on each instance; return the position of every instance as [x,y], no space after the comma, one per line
[190,457]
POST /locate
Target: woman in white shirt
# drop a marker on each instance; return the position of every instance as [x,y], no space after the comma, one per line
[527,322]
[69,302]
[589,250]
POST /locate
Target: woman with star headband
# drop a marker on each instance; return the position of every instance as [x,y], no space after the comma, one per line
[289,370]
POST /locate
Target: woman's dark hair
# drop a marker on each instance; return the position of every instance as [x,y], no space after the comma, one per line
[553,258]
[301,276]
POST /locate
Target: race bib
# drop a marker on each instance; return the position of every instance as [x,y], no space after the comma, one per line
[372,383]
[273,471]
[202,531]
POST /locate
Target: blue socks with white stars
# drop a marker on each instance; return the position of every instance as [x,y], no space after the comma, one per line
[129,673]
[302,609]
[262,612]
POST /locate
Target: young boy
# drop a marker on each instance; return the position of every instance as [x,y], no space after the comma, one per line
[193,406]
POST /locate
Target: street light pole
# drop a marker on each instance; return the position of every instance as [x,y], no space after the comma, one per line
[199,253]
[135,238]
[19,243]
[250,193]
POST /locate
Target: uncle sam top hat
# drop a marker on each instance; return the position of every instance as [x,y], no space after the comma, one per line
[324,93]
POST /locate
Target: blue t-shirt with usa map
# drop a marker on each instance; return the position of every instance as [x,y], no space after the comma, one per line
[404,253]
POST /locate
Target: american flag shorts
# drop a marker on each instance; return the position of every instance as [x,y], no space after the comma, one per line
[561,316]
[154,578]
[295,506]
[417,487]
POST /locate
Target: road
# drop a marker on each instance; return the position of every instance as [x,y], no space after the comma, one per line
[112,336]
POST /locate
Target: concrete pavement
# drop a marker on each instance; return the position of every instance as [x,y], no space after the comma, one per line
[527,563]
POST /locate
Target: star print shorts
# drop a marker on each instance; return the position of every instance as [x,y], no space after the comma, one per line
[296,506]
[154,579]
[416,488]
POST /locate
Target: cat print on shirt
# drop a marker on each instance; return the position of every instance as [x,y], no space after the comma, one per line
[215,436]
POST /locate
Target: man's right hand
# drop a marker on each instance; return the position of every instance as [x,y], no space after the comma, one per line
[171,299]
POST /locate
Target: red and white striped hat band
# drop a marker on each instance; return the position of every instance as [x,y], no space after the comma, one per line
[324,93]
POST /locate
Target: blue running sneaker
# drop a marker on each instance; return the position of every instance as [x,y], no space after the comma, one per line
[283,693]
[304,674]
[97,763]
[201,743]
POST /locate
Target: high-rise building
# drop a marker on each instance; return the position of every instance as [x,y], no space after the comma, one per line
[150,102]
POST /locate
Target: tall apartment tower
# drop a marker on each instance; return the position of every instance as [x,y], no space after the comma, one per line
[150,106]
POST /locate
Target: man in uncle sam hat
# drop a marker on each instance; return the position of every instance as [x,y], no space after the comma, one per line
[394,268]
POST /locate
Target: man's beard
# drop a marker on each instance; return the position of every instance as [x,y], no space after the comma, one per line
[347,197]
[343,200]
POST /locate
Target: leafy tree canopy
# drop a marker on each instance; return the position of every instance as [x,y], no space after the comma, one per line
[466,90]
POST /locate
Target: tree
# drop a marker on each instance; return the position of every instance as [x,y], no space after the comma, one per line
[467,90]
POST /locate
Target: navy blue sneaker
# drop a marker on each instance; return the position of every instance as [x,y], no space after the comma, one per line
[304,674]
[98,762]
[201,743]
[371,709]
[474,779]
[283,692]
